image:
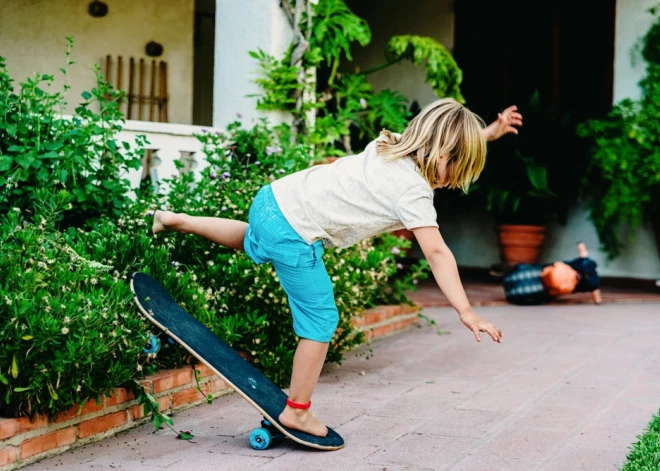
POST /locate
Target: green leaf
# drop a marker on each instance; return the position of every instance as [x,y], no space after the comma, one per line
[538,177]
[5,163]
[3,379]
[24,160]
[185,436]
[14,367]
[50,155]
[86,95]
[52,392]
[15,148]
[27,337]
[43,174]
[22,389]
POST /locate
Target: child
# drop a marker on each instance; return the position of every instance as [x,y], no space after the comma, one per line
[529,284]
[386,187]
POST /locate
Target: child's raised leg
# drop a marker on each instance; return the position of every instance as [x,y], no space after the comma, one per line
[227,232]
[307,364]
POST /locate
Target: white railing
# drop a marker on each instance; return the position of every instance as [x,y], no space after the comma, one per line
[168,143]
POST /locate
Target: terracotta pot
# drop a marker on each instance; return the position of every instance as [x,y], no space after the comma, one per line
[521,243]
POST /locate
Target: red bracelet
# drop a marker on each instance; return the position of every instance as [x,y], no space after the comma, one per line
[297,405]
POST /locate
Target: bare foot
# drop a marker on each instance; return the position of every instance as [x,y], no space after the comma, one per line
[165,221]
[303,420]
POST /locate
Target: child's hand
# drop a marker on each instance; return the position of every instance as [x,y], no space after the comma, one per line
[504,124]
[476,324]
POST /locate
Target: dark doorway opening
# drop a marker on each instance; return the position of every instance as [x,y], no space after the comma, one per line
[564,49]
[204,42]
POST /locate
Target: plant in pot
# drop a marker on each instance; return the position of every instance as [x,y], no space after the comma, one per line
[530,181]
[623,182]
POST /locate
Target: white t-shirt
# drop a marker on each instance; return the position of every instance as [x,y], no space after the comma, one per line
[354,198]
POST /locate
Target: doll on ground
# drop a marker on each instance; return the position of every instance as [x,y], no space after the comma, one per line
[531,284]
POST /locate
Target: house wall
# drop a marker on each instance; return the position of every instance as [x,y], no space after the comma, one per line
[241,27]
[32,39]
[472,237]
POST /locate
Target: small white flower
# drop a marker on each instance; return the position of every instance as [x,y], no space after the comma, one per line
[65,330]
[66,320]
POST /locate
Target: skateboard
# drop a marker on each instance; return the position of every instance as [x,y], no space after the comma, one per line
[157,305]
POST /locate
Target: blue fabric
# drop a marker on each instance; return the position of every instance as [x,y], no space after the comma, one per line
[299,267]
[523,285]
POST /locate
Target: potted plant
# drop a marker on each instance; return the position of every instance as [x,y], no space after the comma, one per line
[531,179]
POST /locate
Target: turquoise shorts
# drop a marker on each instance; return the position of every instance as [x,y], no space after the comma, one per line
[299,266]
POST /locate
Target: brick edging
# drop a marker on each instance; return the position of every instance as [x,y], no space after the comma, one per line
[23,442]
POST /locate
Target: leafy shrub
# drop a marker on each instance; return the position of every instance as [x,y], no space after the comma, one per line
[72,332]
[41,148]
[67,331]
[623,183]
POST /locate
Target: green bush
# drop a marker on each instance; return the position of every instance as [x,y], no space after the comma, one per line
[41,148]
[623,184]
[67,331]
[53,357]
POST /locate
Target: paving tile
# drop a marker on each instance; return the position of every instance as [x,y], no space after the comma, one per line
[524,443]
[585,459]
[423,452]
[555,416]
[378,431]
[348,458]
[488,463]
[609,434]
[464,423]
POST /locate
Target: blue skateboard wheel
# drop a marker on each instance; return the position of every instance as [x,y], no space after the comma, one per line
[152,346]
[260,439]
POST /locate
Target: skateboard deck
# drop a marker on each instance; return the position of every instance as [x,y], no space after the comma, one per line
[159,307]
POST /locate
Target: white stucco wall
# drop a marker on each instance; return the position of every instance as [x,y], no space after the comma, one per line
[241,27]
[32,39]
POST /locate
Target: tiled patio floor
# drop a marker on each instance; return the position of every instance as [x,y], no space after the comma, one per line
[569,389]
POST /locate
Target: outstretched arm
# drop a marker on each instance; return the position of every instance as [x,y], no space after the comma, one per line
[504,124]
[445,271]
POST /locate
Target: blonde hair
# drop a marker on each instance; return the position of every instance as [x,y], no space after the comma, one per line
[442,127]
